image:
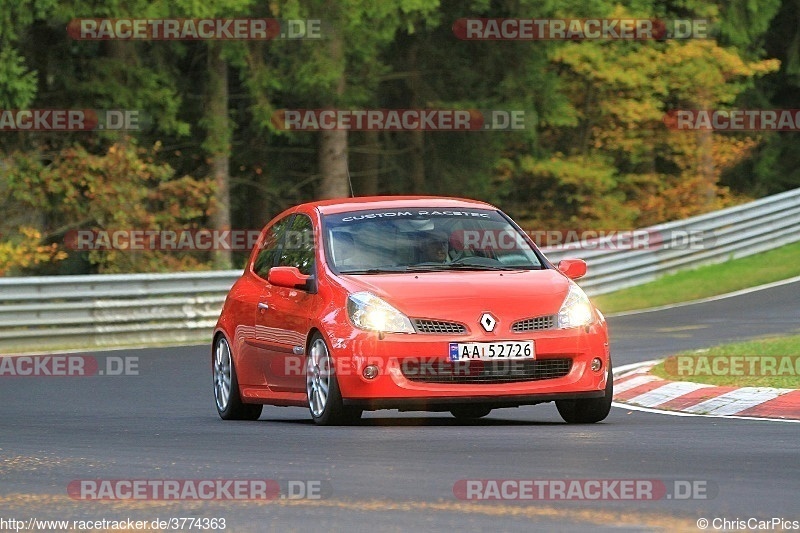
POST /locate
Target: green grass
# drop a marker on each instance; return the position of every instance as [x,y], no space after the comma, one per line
[69,347]
[774,265]
[766,354]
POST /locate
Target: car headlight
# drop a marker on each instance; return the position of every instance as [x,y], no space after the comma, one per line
[367,311]
[576,311]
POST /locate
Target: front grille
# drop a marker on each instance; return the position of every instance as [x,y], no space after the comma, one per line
[534,324]
[509,371]
[423,325]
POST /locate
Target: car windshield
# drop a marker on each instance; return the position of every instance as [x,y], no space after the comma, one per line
[418,240]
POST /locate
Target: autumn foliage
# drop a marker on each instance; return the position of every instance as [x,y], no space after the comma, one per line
[123,188]
[594,153]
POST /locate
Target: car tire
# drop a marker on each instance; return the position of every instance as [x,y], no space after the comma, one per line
[470,412]
[226,386]
[590,410]
[322,388]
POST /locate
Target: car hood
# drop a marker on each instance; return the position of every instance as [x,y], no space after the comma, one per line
[464,296]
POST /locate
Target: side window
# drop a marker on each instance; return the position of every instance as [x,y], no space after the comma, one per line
[265,259]
[298,245]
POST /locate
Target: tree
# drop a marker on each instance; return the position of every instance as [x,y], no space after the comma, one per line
[774,163]
[345,69]
[620,92]
[18,82]
[123,189]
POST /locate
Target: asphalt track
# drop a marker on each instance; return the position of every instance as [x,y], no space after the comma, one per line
[396,471]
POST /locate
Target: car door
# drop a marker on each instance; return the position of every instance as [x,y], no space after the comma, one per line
[255,354]
[284,315]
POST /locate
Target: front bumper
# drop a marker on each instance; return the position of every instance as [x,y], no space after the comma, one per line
[396,387]
[445,404]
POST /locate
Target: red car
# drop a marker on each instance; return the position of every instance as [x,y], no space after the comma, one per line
[410,303]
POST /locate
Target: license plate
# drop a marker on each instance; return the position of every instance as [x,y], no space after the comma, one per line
[491,351]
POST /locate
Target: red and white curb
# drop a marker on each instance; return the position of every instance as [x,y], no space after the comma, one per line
[635,388]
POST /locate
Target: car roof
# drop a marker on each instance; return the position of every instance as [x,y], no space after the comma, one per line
[365,203]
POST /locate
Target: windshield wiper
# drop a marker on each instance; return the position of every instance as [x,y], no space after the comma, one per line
[384,270]
[456,266]
[436,267]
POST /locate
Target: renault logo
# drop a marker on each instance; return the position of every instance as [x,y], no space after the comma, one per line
[488,322]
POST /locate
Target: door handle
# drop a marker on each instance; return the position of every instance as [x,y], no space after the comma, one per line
[263,305]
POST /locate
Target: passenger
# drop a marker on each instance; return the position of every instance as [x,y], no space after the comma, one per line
[435,248]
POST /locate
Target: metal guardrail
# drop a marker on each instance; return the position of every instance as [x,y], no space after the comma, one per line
[57,312]
[726,234]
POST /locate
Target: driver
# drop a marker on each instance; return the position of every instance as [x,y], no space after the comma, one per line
[435,248]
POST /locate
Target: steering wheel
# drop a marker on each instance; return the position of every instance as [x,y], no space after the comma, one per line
[460,255]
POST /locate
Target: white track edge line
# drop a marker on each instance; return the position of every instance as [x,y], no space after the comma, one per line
[681,413]
[740,292]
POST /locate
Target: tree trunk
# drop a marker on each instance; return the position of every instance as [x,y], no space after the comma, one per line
[705,158]
[705,166]
[333,164]
[371,162]
[218,145]
[417,137]
[418,185]
[333,143]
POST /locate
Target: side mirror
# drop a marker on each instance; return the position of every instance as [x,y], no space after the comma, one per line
[572,268]
[290,277]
